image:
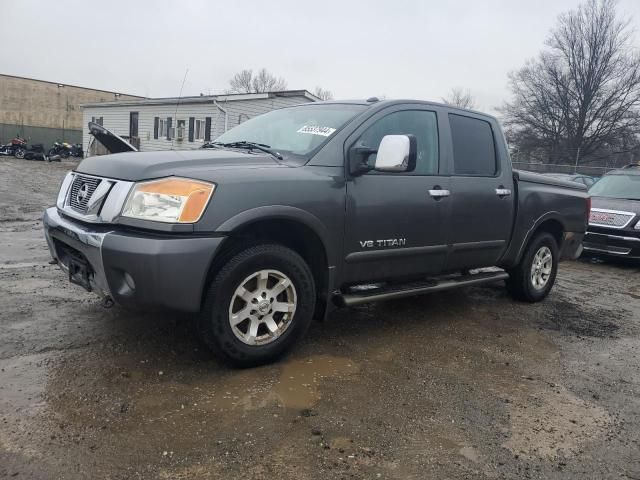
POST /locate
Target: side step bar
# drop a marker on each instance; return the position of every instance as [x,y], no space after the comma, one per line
[409,290]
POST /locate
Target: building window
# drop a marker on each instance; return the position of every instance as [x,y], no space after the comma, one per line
[199,130]
[162,128]
[180,130]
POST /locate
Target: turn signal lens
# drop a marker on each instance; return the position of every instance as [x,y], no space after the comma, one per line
[172,200]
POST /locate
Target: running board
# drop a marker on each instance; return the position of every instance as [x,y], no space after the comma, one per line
[409,290]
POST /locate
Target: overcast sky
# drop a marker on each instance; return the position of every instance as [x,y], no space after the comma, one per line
[400,48]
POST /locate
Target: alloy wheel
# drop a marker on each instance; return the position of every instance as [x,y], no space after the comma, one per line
[262,307]
[541,267]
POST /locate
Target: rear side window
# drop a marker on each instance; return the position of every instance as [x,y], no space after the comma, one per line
[474,151]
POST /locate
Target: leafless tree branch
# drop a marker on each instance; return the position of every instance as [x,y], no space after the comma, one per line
[323,94]
[581,96]
[459,97]
[246,81]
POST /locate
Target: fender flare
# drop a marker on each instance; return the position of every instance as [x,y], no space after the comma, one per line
[282,212]
[553,215]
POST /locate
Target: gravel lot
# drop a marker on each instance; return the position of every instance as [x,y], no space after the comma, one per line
[464,384]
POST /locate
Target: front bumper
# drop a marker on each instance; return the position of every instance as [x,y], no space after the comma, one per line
[616,244]
[135,269]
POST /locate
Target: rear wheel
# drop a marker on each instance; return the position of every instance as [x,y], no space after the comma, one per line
[260,302]
[533,278]
[19,153]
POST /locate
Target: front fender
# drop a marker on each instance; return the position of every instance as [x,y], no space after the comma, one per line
[282,212]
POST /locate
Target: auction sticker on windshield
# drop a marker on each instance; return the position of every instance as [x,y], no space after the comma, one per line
[315,130]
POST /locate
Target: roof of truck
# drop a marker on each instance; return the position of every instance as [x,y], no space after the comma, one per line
[375,102]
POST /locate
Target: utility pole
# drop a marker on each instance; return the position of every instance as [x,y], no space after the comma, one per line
[577,160]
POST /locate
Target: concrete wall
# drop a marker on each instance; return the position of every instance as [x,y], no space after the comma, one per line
[54,109]
[45,136]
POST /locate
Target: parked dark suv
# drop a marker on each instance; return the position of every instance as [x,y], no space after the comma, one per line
[614,222]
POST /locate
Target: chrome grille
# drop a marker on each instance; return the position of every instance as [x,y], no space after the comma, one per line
[81,191]
[610,218]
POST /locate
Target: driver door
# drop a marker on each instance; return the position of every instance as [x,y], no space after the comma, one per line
[396,222]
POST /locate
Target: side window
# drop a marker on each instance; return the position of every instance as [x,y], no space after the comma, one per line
[421,123]
[474,151]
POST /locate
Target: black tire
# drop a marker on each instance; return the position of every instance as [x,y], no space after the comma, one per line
[214,325]
[520,283]
[64,154]
[19,153]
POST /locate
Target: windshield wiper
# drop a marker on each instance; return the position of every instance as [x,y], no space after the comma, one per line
[251,146]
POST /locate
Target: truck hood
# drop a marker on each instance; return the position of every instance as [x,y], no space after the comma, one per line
[112,142]
[616,204]
[135,166]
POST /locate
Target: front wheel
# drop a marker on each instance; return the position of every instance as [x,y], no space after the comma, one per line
[260,302]
[19,153]
[533,278]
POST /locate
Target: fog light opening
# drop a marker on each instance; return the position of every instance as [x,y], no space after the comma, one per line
[128,279]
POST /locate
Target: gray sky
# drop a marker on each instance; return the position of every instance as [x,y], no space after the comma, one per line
[400,48]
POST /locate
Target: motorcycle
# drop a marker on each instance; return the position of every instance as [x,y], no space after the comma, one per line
[76,150]
[16,148]
[62,149]
[35,152]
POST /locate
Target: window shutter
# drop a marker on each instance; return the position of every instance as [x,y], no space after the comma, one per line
[101,120]
[191,122]
[207,129]
[156,124]
[169,128]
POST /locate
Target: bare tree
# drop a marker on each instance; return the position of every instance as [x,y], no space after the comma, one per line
[459,97]
[246,81]
[323,94]
[241,82]
[580,98]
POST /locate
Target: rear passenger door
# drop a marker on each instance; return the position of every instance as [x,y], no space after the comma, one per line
[481,193]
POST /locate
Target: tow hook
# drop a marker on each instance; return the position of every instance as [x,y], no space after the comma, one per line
[107,302]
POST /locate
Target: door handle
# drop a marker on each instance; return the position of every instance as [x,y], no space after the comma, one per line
[503,192]
[439,193]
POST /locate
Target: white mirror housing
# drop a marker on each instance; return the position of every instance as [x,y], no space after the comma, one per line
[396,153]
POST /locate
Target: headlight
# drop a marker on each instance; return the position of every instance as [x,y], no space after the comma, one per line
[172,200]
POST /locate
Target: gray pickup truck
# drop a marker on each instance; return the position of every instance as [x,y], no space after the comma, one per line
[303,209]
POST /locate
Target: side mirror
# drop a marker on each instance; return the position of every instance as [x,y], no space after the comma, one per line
[397,153]
[359,159]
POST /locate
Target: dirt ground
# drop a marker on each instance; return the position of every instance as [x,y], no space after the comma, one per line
[463,384]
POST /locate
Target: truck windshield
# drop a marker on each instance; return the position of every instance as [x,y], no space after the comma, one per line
[617,186]
[295,130]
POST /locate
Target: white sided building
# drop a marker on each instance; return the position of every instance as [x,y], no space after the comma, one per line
[183,123]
